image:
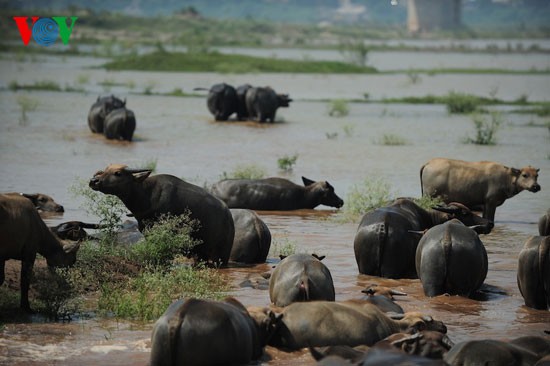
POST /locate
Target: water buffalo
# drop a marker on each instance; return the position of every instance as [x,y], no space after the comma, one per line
[300,277]
[482,184]
[383,297]
[100,109]
[262,103]
[150,197]
[221,101]
[534,272]
[540,346]
[252,237]
[275,194]
[120,124]
[388,356]
[242,111]
[73,230]
[451,258]
[426,343]
[205,332]
[489,352]
[384,245]
[42,202]
[351,323]
[22,235]
[544,224]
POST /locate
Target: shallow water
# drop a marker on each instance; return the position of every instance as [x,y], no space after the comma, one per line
[54,147]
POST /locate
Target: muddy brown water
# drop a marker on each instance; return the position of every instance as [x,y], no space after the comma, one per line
[54,148]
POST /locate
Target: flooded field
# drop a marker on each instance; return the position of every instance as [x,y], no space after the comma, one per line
[54,148]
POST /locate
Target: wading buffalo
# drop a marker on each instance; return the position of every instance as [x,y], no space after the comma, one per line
[221,101]
[275,194]
[383,298]
[426,343]
[534,272]
[544,224]
[22,235]
[384,244]
[481,184]
[252,237]
[73,230]
[42,202]
[204,332]
[262,103]
[489,352]
[451,258]
[242,111]
[120,124]
[150,197]
[300,277]
[100,109]
[351,323]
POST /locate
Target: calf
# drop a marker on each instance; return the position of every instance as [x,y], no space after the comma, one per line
[22,235]
[42,202]
[275,194]
[474,184]
[533,275]
[300,277]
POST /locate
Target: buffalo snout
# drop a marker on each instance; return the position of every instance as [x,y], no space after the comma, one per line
[534,188]
[94,183]
[59,208]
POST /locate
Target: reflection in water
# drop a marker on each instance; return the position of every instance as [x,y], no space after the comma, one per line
[56,147]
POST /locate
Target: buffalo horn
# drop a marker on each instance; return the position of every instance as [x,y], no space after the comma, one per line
[394,315]
[445,209]
[447,342]
[397,293]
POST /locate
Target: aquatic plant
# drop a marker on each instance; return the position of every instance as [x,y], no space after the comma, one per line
[338,108]
[282,247]
[486,129]
[245,171]
[27,104]
[390,139]
[461,103]
[364,197]
[286,162]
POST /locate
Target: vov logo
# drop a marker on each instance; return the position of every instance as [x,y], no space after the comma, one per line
[45,30]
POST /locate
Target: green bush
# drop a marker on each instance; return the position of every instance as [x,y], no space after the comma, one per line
[366,196]
[283,247]
[250,171]
[486,129]
[462,103]
[338,108]
[27,104]
[57,292]
[428,202]
[391,139]
[286,163]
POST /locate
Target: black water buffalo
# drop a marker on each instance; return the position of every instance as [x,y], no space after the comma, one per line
[489,352]
[426,343]
[22,235]
[450,258]
[222,101]
[544,224]
[384,244]
[42,202]
[300,277]
[388,356]
[534,272]
[540,346]
[204,332]
[262,103]
[252,237]
[351,323]
[100,109]
[383,297]
[482,184]
[73,230]
[275,194]
[120,124]
[150,197]
[242,111]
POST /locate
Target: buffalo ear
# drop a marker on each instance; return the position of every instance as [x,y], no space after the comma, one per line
[32,197]
[307,182]
[537,170]
[318,257]
[516,172]
[140,176]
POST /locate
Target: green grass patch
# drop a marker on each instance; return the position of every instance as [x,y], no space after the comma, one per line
[282,247]
[427,202]
[391,139]
[338,108]
[486,128]
[245,171]
[38,85]
[371,193]
[286,163]
[224,63]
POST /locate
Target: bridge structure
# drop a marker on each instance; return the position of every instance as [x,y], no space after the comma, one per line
[428,15]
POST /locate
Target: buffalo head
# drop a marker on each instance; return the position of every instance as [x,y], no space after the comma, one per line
[117,179]
[43,202]
[526,178]
[458,211]
[325,192]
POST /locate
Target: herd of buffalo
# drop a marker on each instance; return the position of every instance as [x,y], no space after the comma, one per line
[439,245]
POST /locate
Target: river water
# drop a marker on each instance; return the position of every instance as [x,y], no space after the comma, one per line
[54,148]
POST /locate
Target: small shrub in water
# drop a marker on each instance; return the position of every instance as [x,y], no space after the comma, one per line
[428,202]
[283,247]
[366,196]
[461,103]
[286,163]
[338,108]
[27,104]
[250,171]
[390,139]
[485,129]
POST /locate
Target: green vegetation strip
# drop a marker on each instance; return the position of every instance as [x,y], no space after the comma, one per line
[217,62]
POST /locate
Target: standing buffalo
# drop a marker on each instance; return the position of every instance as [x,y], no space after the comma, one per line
[384,245]
[262,103]
[150,197]
[534,272]
[252,237]
[451,259]
[221,101]
[300,277]
[120,124]
[544,224]
[275,194]
[476,184]
[100,109]
[22,235]
[204,332]
[42,202]
[242,111]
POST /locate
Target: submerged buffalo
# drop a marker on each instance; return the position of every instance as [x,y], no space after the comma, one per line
[150,197]
[242,110]
[483,184]
[221,101]
[385,242]
[120,124]
[300,277]
[42,202]
[275,194]
[252,237]
[262,103]
[451,258]
[100,109]
[489,352]
[534,272]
